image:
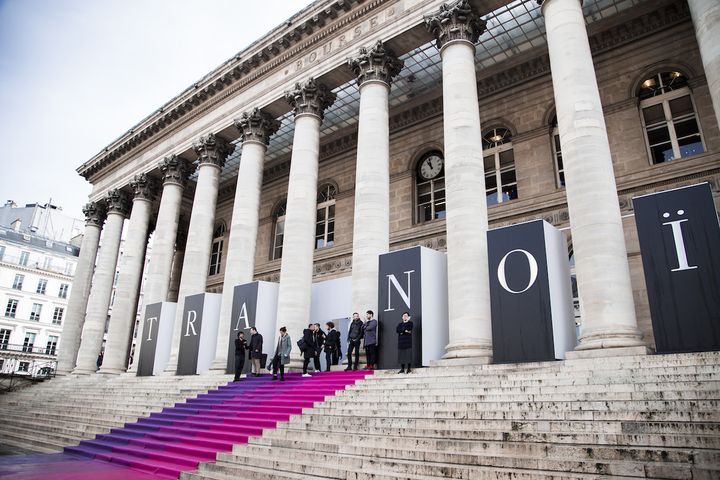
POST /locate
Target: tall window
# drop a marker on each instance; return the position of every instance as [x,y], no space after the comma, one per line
[29,342]
[24,366]
[4,338]
[325,224]
[24,258]
[62,293]
[499,160]
[2,252]
[47,263]
[51,345]
[41,286]
[557,153]
[279,231]
[58,316]
[11,308]
[35,312]
[18,282]
[668,116]
[430,187]
[217,249]
[69,268]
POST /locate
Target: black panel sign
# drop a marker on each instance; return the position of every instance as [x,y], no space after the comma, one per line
[190,335]
[680,247]
[243,317]
[149,340]
[399,290]
[520,294]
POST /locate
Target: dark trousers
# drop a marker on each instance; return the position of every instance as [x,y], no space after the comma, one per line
[331,358]
[306,362]
[371,354]
[277,365]
[239,365]
[353,344]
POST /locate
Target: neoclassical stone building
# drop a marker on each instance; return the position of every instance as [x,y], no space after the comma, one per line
[360,127]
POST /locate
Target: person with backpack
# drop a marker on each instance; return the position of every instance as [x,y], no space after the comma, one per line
[332,346]
[309,347]
[355,334]
[240,348]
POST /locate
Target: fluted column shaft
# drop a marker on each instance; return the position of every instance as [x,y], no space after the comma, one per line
[470,331]
[706,20]
[256,128]
[77,303]
[99,300]
[122,320]
[213,152]
[601,263]
[375,69]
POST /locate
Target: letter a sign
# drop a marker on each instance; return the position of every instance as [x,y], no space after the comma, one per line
[680,247]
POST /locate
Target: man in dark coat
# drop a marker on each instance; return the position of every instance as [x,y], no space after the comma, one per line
[256,346]
[240,347]
[310,347]
[355,334]
[370,340]
[332,345]
[319,343]
[404,331]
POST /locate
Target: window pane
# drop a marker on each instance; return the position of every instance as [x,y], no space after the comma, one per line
[690,146]
[661,153]
[686,128]
[681,106]
[658,135]
[424,213]
[320,230]
[331,211]
[507,177]
[492,198]
[489,163]
[321,215]
[490,182]
[654,114]
[510,193]
[507,158]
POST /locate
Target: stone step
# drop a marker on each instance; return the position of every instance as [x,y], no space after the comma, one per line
[80,428]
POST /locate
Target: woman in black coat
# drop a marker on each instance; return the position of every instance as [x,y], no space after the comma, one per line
[256,347]
[332,346]
[240,346]
[404,331]
[310,350]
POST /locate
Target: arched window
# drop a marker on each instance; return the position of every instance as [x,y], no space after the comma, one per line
[325,225]
[499,160]
[217,248]
[430,187]
[278,231]
[557,153]
[668,117]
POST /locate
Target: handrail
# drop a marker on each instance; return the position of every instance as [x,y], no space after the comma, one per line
[16,348]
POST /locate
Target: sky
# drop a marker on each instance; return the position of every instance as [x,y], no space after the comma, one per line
[76,74]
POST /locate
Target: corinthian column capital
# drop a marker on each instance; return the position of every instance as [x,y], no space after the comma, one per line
[95,214]
[310,98]
[117,202]
[144,187]
[377,63]
[213,150]
[256,126]
[175,170]
[455,21]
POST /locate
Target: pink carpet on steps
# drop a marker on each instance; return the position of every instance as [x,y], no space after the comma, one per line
[178,438]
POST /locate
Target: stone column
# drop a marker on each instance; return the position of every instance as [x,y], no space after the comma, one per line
[77,303]
[255,131]
[177,262]
[122,321]
[456,29]
[309,101]
[175,172]
[375,68]
[102,283]
[212,151]
[706,20]
[601,263]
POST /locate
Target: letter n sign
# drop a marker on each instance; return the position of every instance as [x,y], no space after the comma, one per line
[530,293]
[680,247]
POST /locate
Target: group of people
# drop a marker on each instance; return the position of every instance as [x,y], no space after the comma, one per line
[315,341]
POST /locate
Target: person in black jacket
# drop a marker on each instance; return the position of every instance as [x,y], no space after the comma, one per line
[256,346]
[310,347]
[319,343]
[355,334]
[332,346]
[240,346]
[404,331]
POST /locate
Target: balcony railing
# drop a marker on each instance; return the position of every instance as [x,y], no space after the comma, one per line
[11,348]
[15,260]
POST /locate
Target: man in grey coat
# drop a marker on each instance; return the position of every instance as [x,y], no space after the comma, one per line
[282,354]
[370,340]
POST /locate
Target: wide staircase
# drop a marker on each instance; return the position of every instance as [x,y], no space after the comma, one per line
[623,417]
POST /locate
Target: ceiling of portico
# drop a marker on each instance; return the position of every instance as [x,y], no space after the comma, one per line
[511,30]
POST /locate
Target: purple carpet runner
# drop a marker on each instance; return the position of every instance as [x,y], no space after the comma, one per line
[179,437]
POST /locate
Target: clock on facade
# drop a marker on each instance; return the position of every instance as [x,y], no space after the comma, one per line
[430,167]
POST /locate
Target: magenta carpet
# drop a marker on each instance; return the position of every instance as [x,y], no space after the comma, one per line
[178,438]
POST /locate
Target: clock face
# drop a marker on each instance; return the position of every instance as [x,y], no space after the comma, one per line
[430,167]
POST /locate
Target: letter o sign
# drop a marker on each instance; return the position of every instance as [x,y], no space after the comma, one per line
[532,263]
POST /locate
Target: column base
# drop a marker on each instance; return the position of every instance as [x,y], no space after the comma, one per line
[607,352]
[467,350]
[110,371]
[83,372]
[610,338]
[461,362]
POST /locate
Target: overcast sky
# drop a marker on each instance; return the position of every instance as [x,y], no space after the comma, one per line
[76,74]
